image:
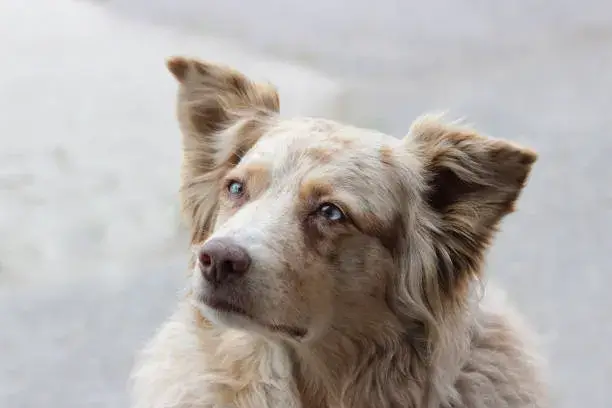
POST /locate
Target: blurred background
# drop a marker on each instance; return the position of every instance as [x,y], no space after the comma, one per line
[92,254]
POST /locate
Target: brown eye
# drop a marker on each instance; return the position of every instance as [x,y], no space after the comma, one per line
[331,212]
[235,189]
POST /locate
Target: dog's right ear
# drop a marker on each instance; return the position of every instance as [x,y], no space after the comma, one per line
[222,114]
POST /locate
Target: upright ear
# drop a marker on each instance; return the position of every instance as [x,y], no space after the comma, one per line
[472,183]
[221,114]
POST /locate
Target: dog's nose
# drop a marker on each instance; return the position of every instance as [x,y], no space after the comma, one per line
[222,259]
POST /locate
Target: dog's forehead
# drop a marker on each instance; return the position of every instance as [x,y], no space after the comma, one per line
[295,144]
[312,157]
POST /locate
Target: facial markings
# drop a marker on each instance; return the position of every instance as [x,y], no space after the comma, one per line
[390,233]
[363,215]
[320,155]
[359,205]
[253,180]
[319,232]
[326,151]
[386,155]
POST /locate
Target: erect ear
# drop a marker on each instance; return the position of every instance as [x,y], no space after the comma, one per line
[472,183]
[211,96]
[221,114]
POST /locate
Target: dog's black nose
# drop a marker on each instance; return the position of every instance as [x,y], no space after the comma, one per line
[221,260]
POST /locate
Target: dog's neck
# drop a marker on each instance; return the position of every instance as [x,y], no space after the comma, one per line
[380,362]
[362,368]
[383,363]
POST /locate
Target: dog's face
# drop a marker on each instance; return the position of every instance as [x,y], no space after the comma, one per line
[305,226]
[309,206]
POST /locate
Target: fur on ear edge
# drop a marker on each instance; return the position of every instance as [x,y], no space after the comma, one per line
[178,67]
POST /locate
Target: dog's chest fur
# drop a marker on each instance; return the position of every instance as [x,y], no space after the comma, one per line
[190,364]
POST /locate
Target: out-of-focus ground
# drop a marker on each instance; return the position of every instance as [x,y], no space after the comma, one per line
[91,252]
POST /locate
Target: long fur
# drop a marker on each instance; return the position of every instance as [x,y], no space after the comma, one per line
[393,303]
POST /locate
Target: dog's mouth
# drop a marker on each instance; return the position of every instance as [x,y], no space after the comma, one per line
[224,306]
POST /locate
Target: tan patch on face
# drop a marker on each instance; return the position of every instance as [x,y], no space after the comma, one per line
[319,234]
[323,237]
[313,190]
[386,155]
[333,146]
[389,233]
[344,142]
[257,175]
[254,178]
[200,320]
[319,154]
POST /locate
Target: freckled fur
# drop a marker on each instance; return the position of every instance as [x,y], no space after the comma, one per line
[389,299]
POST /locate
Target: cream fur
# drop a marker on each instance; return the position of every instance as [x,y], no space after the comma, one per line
[379,310]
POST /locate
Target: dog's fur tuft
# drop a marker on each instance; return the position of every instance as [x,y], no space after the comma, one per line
[369,305]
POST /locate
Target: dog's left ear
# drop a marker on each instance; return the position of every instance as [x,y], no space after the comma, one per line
[472,183]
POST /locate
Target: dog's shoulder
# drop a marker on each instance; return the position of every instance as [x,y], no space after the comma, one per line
[504,361]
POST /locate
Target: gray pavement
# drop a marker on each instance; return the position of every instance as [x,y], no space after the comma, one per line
[536,72]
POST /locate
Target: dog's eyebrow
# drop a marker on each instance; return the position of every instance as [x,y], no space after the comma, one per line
[314,189]
[257,171]
[253,171]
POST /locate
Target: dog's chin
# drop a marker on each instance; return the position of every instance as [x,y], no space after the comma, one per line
[230,315]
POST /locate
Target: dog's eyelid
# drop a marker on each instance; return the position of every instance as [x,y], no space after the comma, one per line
[344,209]
[230,180]
[234,176]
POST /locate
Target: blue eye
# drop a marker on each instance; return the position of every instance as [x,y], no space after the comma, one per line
[235,189]
[331,212]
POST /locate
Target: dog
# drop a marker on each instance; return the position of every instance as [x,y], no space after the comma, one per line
[335,266]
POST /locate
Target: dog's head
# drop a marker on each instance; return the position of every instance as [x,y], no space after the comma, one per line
[304,226]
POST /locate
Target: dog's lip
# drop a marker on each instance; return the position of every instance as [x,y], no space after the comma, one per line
[229,307]
[224,306]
